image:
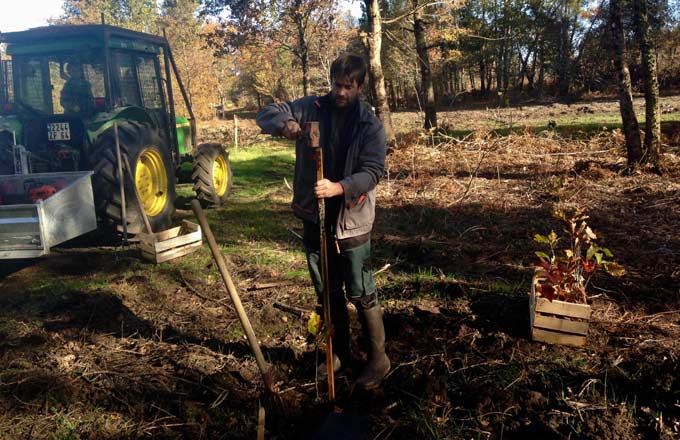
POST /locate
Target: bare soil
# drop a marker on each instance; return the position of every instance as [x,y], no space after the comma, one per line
[95,343]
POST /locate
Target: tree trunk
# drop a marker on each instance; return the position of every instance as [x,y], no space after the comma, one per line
[482,73]
[303,46]
[499,68]
[652,143]
[489,77]
[541,74]
[563,56]
[631,129]
[507,51]
[305,73]
[425,72]
[393,96]
[375,71]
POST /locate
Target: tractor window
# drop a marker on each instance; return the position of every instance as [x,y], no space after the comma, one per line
[148,80]
[95,76]
[128,89]
[31,86]
[6,82]
[76,83]
[57,84]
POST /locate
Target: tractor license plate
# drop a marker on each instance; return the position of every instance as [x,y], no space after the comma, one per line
[58,131]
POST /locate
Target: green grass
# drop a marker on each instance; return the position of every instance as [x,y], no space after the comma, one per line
[580,127]
[253,225]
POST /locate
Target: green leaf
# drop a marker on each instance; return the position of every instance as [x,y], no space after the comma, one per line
[598,257]
[552,237]
[592,249]
[607,252]
[543,255]
[541,238]
[314,323]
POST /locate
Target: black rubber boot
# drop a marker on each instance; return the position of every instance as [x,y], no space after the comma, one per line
[378,363]
[341,338]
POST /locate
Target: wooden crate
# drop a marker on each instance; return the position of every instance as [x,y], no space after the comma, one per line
[558,322]
[172,243]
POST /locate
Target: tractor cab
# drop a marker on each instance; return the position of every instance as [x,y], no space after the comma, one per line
[61,83]
[99,98]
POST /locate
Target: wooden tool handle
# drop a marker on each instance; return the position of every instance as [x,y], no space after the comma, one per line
[311,130]
[233,294]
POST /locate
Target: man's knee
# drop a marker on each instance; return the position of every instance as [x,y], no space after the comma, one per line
[366,302]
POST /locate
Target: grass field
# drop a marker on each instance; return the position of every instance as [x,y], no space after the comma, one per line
[97,343]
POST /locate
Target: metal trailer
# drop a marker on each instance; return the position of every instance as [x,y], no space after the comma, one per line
[29,230]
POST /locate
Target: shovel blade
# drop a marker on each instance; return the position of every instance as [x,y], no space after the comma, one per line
[341,426]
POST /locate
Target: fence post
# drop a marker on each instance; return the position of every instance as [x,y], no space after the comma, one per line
[235,131]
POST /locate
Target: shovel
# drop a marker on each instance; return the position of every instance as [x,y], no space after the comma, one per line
[336,424]
[313,136]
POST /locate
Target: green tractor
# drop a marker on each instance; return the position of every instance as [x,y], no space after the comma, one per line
[68,94]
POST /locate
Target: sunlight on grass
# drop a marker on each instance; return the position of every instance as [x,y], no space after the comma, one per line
[570,127]
[254,224]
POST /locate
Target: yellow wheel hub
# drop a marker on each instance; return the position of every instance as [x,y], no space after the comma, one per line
[152,182]
[220,174]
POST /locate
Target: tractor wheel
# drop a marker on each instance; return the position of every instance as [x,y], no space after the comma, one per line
[152,173]
[212,174]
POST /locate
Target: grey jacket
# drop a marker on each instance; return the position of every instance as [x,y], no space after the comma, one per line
[363,168]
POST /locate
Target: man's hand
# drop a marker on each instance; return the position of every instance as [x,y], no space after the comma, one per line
[324,189]
[291,130]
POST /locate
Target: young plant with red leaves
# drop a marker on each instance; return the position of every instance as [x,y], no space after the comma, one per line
[565,273]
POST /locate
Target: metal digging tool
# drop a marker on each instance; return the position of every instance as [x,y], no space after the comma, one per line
[233,294]
[313,138]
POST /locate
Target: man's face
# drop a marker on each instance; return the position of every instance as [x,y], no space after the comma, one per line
[344,92]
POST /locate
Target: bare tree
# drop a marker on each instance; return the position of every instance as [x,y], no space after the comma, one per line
[652,142]
[424,63]
[377,80]
[631,128]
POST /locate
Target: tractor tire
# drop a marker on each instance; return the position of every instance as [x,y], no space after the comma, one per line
[211,174]
[152,172]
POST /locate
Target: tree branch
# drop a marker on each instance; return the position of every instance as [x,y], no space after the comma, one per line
[406,14]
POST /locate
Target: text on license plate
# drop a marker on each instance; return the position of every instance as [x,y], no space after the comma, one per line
[58,131]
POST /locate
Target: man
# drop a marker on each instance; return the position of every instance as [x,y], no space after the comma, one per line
[76,95]
[353,144]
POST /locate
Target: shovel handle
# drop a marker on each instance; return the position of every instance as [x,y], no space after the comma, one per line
[312,134]
[233,294]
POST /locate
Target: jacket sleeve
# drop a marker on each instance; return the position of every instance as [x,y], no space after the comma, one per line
[272,118]
[370,165]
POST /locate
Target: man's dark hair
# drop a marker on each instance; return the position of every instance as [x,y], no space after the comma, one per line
[349,66]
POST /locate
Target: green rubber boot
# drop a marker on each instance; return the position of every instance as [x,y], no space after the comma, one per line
[378,363]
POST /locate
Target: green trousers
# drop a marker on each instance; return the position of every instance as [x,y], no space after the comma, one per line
[347,265]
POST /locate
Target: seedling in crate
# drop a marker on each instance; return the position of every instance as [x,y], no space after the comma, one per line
[565,272]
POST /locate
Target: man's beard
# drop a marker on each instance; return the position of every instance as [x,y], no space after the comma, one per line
[347,103]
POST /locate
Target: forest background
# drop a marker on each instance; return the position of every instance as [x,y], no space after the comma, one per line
[433,55]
